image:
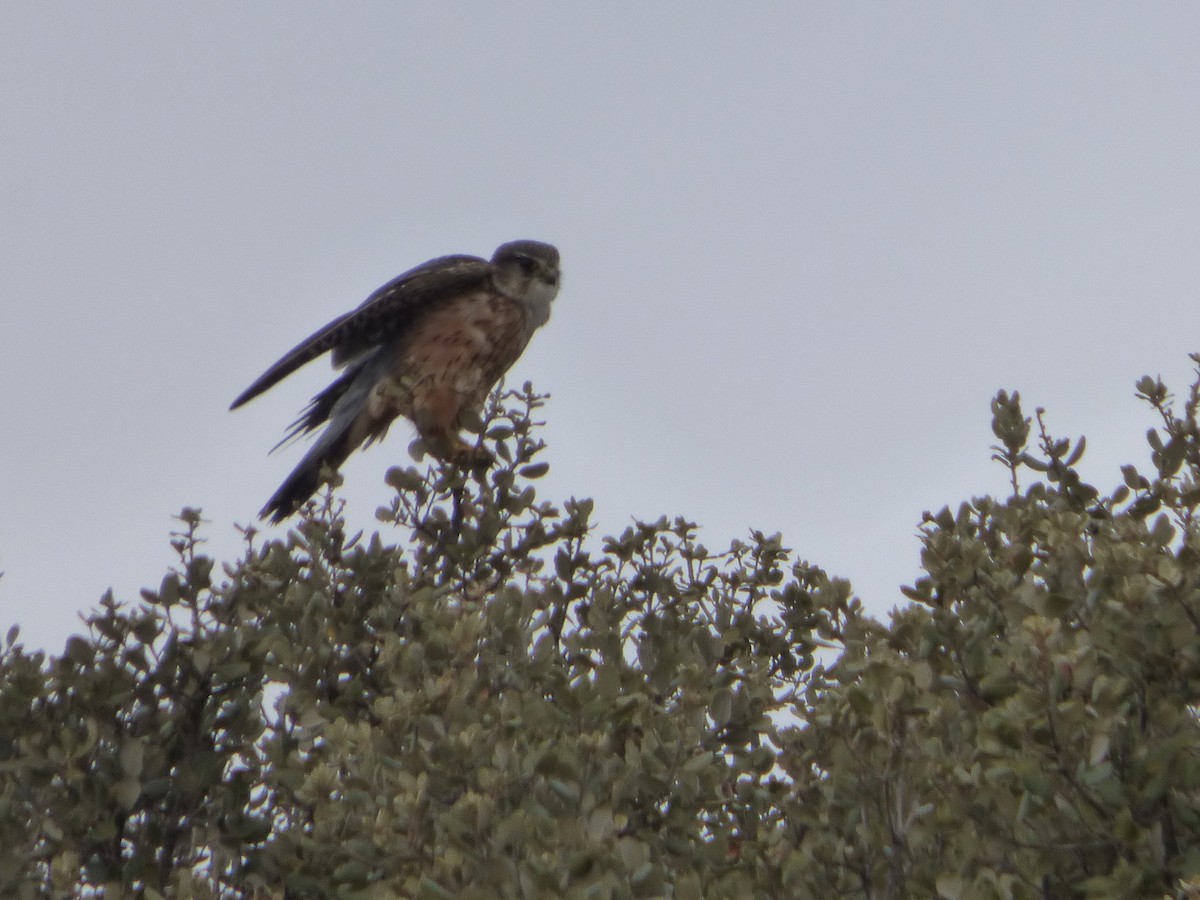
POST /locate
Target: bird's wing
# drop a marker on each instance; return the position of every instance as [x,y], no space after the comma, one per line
[380,317]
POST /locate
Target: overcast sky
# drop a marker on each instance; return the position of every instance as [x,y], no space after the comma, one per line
[802,246]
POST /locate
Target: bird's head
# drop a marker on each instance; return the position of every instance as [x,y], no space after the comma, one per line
[527,271]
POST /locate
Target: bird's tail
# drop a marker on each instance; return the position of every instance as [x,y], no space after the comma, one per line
[340,405]
[330,451]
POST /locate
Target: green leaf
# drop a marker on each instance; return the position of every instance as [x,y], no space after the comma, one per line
[950,886]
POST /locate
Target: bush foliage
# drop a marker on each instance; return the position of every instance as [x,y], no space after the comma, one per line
[500,704]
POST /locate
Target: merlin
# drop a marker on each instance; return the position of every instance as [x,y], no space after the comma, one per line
[429,345]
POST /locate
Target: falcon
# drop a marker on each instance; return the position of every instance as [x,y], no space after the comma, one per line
[429,345]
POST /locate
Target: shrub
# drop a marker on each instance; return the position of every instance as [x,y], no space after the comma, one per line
[499,704]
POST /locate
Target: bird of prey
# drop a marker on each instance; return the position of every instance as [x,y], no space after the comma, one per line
[429,345]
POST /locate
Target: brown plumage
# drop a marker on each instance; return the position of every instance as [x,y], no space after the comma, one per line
[429,346]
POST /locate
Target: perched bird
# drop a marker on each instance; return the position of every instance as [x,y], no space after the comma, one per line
[428,345]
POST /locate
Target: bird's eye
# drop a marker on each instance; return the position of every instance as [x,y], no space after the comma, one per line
[528,266]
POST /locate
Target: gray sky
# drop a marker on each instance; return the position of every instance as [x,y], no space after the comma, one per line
[802,247]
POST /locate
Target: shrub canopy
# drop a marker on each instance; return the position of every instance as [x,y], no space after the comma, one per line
[485,700]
